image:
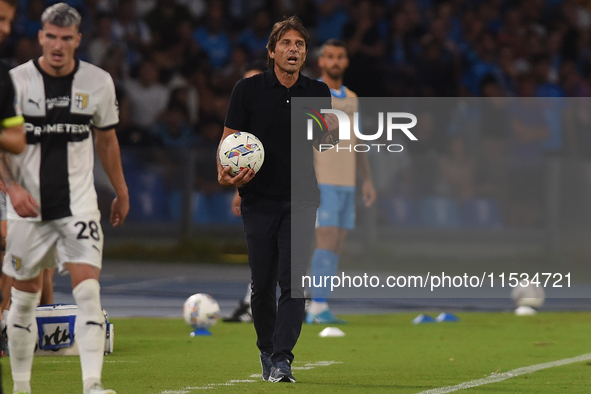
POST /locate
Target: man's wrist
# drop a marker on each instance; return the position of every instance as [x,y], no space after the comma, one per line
[124,193]
[332,140]
[9,184]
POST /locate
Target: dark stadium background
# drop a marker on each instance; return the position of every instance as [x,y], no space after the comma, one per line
[175,63]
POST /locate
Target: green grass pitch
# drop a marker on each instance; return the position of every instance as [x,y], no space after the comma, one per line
[379,354]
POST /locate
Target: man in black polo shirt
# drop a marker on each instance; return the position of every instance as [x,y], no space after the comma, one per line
[12,138]
[274,203]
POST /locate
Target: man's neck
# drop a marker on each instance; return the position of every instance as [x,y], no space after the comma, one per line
[332,83]
[285,78]
[56,72]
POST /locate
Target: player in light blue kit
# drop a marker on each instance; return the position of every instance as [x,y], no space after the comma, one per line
[336,172]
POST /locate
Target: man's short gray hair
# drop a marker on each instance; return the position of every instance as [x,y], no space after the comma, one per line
[61,15]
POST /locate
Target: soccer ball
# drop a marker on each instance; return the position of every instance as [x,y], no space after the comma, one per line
[201,311]
[242,150]
[530,295]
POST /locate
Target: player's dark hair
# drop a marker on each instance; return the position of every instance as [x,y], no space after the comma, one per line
[257,65]
[333,42]
[61,15]
[280,29]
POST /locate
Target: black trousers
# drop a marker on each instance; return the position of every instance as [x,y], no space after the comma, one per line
[279,236]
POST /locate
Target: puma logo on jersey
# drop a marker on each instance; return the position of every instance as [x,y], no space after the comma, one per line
[35,102]
[28,328]
[93,323]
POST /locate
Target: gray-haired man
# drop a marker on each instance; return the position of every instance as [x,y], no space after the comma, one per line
[53,204]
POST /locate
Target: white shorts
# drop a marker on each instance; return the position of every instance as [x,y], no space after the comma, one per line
[32,246]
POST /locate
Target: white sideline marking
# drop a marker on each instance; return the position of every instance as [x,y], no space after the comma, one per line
[78,361]
[497,377]
[307,365]
[144,283]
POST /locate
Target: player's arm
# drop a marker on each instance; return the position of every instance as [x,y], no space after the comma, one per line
[331,137]
[12,138]
[23,203]
[224,176]
[236,116]
[236,200]
[367,189]
[109,153]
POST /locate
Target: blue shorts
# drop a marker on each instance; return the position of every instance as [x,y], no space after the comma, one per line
[337,207]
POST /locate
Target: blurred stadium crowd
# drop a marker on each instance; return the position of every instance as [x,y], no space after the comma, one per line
[175,63]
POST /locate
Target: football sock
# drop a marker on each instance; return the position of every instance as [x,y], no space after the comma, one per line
[248,294]
[90,330]
[324,263]
[22,335]
[317,308]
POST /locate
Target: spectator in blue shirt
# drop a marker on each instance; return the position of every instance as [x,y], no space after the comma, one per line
[332,18]
[28,23]
[212,38]
[255,38]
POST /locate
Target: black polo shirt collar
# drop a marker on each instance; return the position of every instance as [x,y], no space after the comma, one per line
[271,80]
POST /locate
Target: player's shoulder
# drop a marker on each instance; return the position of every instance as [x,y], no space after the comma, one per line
[25,75]
[25,68]
[315,83]
[318,86]
[254,80]
[97,73]
[251,85]
[349,92]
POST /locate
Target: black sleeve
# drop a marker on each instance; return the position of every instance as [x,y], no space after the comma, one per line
[326,95]
[237,115]
[6,96]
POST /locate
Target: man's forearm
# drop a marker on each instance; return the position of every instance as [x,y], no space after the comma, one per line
[363,166]
[13,139]
[6,175]
[109,153]
[331,137]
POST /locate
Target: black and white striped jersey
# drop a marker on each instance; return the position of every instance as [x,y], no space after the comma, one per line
[60,113]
